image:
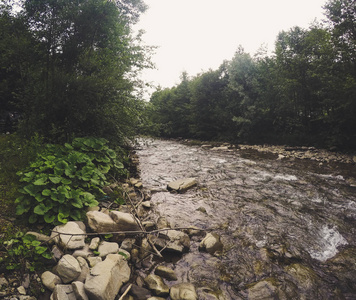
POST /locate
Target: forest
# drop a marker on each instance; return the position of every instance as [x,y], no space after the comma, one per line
[302,94]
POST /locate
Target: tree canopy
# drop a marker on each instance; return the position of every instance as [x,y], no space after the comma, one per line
[70,66]
[305,93]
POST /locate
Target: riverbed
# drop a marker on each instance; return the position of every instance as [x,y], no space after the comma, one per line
[288,225]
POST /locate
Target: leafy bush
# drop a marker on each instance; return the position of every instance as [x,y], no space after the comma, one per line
[63,181]
[23,252]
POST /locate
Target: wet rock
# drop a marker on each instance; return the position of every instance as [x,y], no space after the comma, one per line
[303,276]
[211,244]
[156,285]
[156,298]
[166,273]
[94,243]
[342,265]
[63,292]
[263,290]
[137,292]
[68,268]
[125,221]
[67,240]
[182,185]
[183,291]
[101,222]
[50,280]
[107,277]
[106,248]
[173,241]
[79,291]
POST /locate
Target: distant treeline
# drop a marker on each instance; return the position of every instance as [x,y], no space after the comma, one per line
[305,93]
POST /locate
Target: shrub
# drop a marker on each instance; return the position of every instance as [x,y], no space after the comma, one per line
[64,180]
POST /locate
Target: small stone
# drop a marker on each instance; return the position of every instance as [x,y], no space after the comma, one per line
[182,185]
[211,244]
[94,243]
[183,291]
[50,280]
[21,289]
[156,285]
[94,260]
[146,204]
[106,248]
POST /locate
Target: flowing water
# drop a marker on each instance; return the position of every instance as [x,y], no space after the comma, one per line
[288,227]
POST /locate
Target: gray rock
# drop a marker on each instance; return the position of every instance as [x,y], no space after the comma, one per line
[94,243]
[173,241]
[68,268]
[156,285]
[146,204]
[107,277]
[66,240]
[3,282]
[156,298]
[125,221]
[57,252]
[79,291]
[63,292]
[211,244]
[183,291]
[166,273]
[21,290]
[84,252]
[94,260]
[85,269]
[101,222]
[50,280]
[106,248]
[182,185]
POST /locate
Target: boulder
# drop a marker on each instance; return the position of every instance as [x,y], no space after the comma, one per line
[79,291]
[211,244]
[183,291]
[125,221]
[166,273]
[50,280]
[101,222]
[182,185]
[156,285]
[63,292]
[173,241]
[67,240]
[68,268]
[107,277]
[106,248]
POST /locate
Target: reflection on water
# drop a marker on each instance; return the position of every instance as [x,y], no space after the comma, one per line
[288,222]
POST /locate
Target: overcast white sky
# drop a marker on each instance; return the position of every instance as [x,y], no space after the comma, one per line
[195,35]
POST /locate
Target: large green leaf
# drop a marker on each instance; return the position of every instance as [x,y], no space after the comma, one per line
[62,218]
[40,209]
[31,189]
[55,179]
[76,202]
[41,181]
[49,218]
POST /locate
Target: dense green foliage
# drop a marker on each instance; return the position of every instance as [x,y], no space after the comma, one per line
[62,181]
[23,252]
[305,93]
[69,67]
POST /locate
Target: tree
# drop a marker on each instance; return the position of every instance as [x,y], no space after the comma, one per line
[80,84]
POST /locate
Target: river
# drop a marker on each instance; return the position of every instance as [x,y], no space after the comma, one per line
[288,226]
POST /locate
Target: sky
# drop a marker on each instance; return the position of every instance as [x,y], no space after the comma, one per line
[195,35]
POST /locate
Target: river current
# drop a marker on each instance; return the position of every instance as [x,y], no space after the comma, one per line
[288,226]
